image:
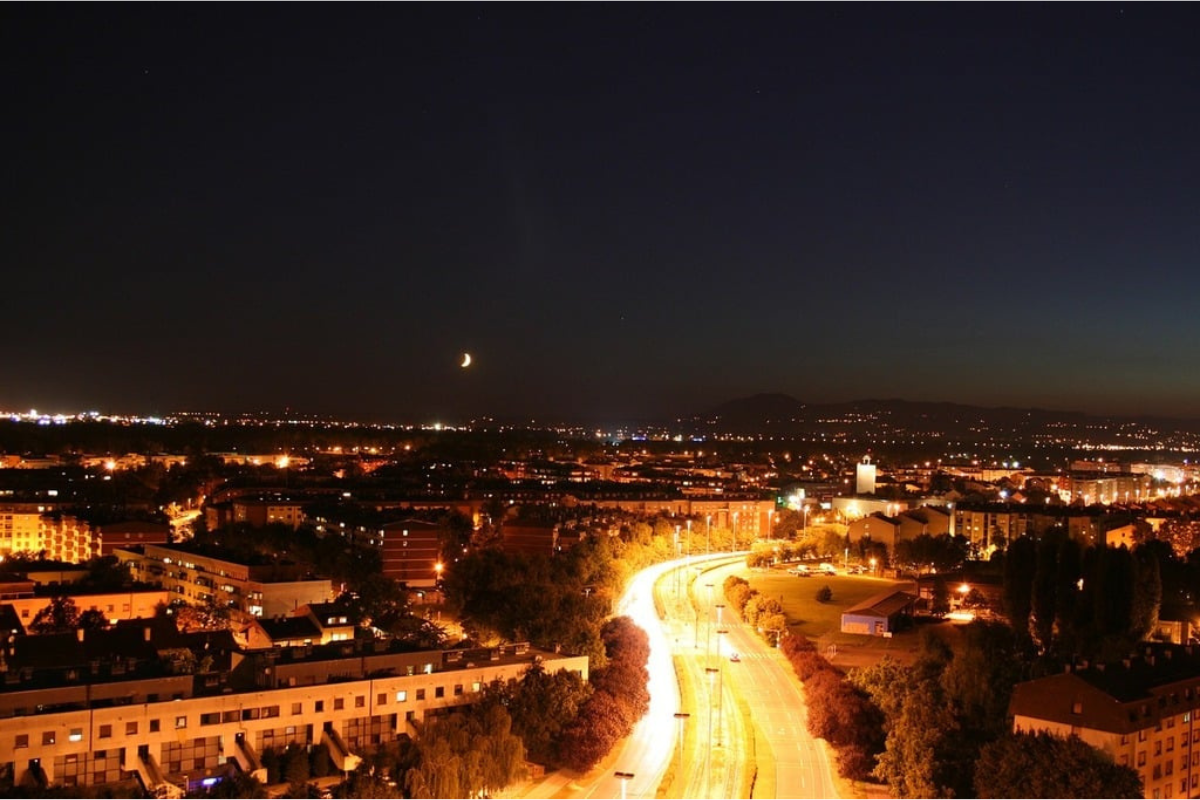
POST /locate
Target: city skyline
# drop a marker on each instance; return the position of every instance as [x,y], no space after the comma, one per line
[619,211]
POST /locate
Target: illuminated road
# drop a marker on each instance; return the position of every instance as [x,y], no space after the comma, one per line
[766,682]
[716,755]
[646,752]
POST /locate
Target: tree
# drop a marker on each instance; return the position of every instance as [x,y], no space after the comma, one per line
[93,620]
[1020,563]
[1147,591]
[1043,765]
[60,616]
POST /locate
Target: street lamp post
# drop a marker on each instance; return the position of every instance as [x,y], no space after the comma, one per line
[733,534]
[720,685]
[625,778]
[711,672]
[707,534]
[676,558]
[681,716]
[707,615]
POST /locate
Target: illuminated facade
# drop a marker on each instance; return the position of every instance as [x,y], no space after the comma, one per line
[40,528]
[266,589]
[412,551]
[1140,711]
[91,725]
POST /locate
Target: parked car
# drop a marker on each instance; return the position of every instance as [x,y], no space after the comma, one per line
[828,569]
[800,570]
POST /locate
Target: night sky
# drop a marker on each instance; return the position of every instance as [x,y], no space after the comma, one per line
[619,210]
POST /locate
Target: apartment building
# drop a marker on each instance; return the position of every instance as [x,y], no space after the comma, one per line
[1141,711]
[265,588]
[76,714]
[40,528]
[412,551]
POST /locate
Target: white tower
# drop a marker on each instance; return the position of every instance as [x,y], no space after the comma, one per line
[864,482]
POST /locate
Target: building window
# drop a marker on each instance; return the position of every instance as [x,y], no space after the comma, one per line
[1158,748]
[48,737]
[154,726]
[1077,708]
[180,722]
[1141,758]
[76,735]
[1170,743]
[475,686]
[106,731]
[339,703]
[440,691]
[420,694]
[131,728]
[402,696]
[320,706]
[458,690]
[1142,735]
[22,741]
[297,708]
[360,701]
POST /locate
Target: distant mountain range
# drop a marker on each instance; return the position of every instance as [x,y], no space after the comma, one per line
[783,414]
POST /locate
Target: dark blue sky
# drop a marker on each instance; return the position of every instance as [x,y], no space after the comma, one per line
[620,210]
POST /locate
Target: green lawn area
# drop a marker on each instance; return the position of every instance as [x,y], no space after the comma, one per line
[821,622]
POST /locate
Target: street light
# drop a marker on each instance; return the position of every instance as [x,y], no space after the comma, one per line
[681,716]
[625,777]
[711,671]
[720,685]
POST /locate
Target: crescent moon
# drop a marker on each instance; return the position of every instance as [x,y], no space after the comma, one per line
[466,362]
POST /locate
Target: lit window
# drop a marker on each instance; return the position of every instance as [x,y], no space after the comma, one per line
[401,696]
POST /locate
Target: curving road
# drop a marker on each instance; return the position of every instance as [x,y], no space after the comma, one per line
[765,680]
[762,679]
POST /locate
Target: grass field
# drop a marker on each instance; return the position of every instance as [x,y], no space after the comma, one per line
[821,622]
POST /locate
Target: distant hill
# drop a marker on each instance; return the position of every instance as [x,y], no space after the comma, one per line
[783,414]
